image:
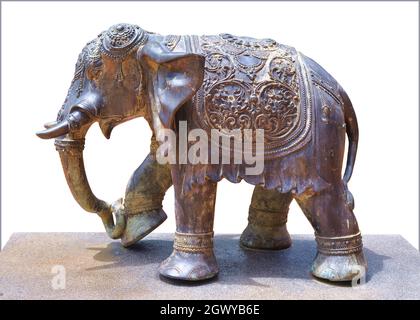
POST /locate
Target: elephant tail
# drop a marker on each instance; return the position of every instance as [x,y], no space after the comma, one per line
[352,130]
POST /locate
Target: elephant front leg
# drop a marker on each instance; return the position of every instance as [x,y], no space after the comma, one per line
[143,199]
[266,229]
[340,256]
[192,257]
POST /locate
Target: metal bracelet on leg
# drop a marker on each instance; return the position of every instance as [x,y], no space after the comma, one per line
[339,258]
[266,229]
[193,242]
[192,258]
[339,245]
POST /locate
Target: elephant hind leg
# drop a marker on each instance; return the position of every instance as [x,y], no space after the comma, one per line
[266,229]
[340,256]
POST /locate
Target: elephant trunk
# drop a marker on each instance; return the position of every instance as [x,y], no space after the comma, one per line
[70,148]
[71,155]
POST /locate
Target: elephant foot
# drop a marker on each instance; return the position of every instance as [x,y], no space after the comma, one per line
[140,225]
[256,237]
[340,259]
[189,266]
[192,259]
[339,268]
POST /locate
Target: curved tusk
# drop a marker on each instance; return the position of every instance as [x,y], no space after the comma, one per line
[59,129]
[50,124]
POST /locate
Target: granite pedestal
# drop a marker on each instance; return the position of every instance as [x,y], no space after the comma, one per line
[33,266]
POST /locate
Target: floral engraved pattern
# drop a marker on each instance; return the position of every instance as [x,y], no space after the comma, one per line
[279,111]
[228,106]
[253,84]
[218,67]
[284,71]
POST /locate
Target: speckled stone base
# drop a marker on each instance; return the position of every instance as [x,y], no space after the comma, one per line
[99,268]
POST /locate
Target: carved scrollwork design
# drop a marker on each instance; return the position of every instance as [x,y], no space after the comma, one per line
[284,71]
[234,105]
[228,106]
[249,43]
[249,64]
[218,67]
[253,84]
[280,110]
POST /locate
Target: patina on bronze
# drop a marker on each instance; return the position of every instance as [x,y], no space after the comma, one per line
[223,82]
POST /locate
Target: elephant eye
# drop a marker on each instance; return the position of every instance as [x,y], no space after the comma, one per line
[95,69]
[96,72]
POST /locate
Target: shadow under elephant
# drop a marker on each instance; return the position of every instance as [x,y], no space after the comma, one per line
[238,266]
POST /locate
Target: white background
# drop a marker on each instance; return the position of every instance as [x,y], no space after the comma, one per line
[370,48]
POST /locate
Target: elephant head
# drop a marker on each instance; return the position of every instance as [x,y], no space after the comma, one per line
[124,73]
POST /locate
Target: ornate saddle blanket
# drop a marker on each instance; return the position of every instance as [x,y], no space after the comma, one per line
[253,84]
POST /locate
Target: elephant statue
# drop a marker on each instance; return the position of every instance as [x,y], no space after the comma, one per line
[224,84]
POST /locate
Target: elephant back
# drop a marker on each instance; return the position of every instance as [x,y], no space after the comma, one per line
[253,84]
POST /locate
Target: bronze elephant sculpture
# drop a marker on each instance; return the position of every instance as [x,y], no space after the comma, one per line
[224,83]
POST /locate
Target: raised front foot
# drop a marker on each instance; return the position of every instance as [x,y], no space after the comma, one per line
[339,258]
[265,238]
[192,259]
[140,225]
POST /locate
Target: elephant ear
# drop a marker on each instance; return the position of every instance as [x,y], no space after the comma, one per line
[175,77]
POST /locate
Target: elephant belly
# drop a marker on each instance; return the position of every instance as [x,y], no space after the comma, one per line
[254,84]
